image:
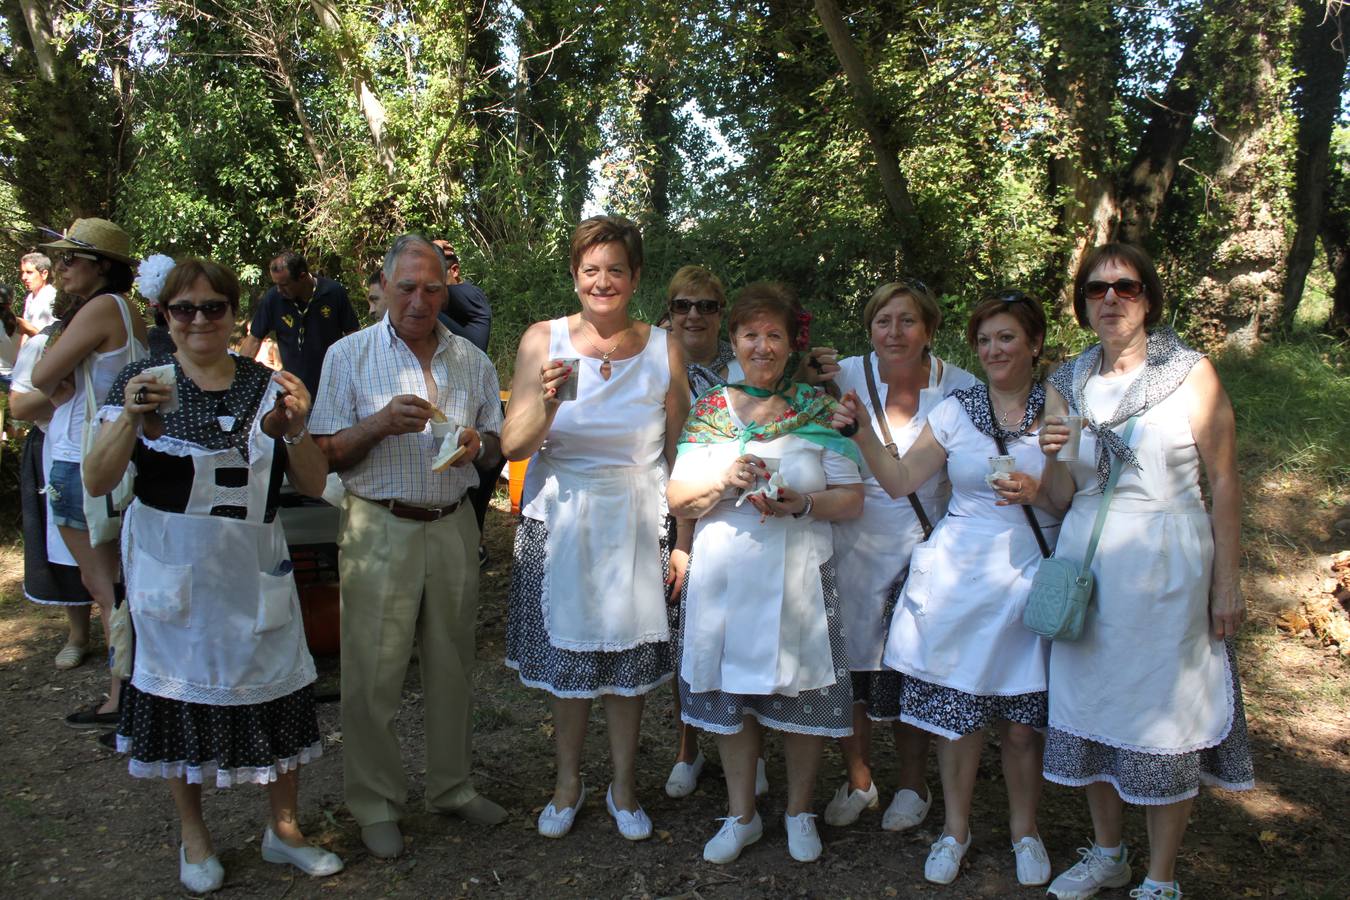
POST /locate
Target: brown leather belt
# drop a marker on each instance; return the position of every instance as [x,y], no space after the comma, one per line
[417,513]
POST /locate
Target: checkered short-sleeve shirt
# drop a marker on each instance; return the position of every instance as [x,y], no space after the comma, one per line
[364,371]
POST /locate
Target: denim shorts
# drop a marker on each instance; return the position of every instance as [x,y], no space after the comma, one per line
[65,493]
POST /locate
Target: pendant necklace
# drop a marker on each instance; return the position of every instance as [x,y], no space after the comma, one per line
[606,369]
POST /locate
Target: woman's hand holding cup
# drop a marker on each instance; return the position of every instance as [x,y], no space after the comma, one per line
[554,378]
[1054,435]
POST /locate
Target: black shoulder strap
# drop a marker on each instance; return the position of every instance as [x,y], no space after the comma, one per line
[1031,516]
[880,413]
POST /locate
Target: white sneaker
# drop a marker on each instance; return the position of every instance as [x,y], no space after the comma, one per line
[1146,891]
[684,778]
[1093,871]
[906,810]
[761,778]
[1033,864]
[944,860]
[803,839]
[732,838]
[848,804]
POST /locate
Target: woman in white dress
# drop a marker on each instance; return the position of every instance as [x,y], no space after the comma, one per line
[872,551]
[761,641]
[587,609]
[957,633]
[93,262]
[1145,706]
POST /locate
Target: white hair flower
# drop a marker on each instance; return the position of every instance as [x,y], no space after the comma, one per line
[150,275]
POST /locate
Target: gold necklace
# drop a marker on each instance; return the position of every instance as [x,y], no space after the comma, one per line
[605,368]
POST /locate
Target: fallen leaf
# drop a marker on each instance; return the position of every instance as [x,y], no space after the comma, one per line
[1267,837]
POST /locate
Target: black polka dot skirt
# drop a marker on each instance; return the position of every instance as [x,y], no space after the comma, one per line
[952,714]
[232,744]
[879,691]
[825,711]
[1155,779]
[570,673]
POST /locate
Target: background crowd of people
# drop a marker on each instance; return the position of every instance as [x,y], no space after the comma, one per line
[801,544]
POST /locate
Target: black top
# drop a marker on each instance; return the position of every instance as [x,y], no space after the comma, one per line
[467,313]
[213,420]
[303,337]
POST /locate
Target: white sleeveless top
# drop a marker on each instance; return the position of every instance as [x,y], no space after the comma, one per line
[599,485]
[66,432]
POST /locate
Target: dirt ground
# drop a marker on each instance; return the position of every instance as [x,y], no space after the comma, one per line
[76,824]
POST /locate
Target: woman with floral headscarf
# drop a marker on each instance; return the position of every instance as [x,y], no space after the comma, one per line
[761,642]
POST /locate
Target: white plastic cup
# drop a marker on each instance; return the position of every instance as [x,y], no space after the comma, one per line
[568,389]
[1073,443]
[165,375]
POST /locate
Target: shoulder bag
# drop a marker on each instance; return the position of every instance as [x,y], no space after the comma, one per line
[1061,590]
[880,415]
[104,514]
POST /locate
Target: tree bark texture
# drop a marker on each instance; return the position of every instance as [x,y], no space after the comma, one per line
[1321,60]
[1237,302]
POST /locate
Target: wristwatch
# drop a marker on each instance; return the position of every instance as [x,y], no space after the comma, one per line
[304,430]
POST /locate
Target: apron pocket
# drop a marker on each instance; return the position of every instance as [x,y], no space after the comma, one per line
[920,578]
[161,591]
[276,606]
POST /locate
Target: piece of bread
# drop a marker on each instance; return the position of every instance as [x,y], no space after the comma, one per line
[449,452]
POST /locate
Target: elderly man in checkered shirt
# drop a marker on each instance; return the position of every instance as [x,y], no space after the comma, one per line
[409,540]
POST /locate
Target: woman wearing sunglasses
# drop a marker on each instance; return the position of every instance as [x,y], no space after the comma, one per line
[957,633]
[872,552]
[100,336]
[221,683]
[1146,705]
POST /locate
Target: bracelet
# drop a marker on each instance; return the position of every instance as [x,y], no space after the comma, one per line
[806,510]
[292,441]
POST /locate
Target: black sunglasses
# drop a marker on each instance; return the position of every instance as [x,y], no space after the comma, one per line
[68,257]
[916,284]
[682,305]
[213,310]
[1013,296]
[1125,288]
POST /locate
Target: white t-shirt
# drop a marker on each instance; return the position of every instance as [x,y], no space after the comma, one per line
[39,308]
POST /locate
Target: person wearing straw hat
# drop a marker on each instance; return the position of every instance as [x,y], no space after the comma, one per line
[102,334]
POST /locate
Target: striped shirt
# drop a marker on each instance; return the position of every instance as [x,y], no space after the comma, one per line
[363,371]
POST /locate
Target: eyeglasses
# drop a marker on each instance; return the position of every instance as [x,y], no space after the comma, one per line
[681,306]
[213,310]
[1013,296]
[1125,288]
[68,257]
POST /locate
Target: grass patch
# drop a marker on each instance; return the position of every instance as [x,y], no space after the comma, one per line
[1292,403]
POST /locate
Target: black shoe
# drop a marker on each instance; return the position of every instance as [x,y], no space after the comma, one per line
[90,717]
[109,739]
[482,556]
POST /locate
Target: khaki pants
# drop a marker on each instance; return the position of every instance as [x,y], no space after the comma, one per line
[403,581]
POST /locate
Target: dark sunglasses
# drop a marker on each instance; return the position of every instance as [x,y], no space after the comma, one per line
[915,284]
[1013,296]
[681,306]
[1125,288]
[213,310]
[68,257]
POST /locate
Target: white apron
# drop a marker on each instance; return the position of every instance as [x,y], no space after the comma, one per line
[872,551]
[1147,674]
[215,608]
[754,617]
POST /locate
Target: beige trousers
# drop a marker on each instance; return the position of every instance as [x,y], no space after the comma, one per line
[404,581]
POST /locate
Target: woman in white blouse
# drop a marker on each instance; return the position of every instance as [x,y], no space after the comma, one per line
[957,632]
[764,474]
[872,552]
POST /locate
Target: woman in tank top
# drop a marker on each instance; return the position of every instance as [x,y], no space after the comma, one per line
[597,402]
[93,263]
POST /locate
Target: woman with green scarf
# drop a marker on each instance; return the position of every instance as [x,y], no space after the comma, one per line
[764,475]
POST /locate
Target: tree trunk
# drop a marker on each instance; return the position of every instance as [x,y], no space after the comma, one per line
[1237,302]
[1146,182]
[1082,82]
[658,128]
[40,33]
[372,110]
[873,118]
[1321,62]
[1338,255]
[287,78]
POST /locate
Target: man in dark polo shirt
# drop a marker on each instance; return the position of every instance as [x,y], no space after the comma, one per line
[467,312]
[306,314]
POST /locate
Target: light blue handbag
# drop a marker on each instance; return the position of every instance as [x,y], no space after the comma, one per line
[1061,591]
